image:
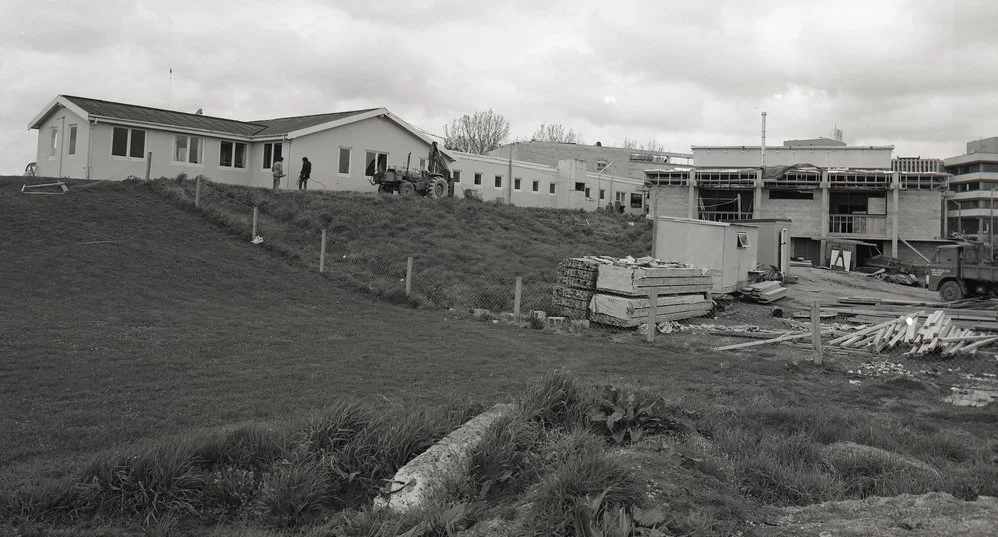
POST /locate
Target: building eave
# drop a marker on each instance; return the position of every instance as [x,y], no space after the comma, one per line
[59,100]
[172,128]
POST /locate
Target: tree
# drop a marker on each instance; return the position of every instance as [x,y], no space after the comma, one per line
[477,133]
[629,143]
[556,133]
[653,145]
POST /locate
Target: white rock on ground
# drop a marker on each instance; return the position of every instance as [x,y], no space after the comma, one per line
[417,483]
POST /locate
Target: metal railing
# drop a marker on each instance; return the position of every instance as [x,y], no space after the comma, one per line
[857,224]
[725,216]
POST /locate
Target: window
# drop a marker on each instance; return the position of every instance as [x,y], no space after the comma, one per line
[535,186]
[344,168]
[271,152]
[743,241]
[478,178]
[580,187]
[72,141]
[53,141]
[456,174]
[587,192]
[516,183]
[375,162]
[551,188]
[232,155]
[602,194]
[601,165]
[422,164]
[619,197]
[187,149]
[498,181]
[127,142]
[637,200]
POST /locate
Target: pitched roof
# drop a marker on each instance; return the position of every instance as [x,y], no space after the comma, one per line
[145,114]
[284,125]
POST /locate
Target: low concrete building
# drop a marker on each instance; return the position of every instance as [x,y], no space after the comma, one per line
[599,159]
[826,191]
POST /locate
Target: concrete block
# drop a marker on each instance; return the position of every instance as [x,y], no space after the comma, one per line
[580,324]
[555,321]
[421,481]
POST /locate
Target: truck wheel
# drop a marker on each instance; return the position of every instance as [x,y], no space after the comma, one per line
[437,188]
[406,188]
[950,292]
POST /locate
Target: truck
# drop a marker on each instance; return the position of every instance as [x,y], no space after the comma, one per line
[434,183]
[963,270]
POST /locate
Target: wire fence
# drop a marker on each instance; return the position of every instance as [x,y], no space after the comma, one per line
[417,280]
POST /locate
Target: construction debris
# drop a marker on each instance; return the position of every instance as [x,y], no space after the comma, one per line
[31,189]
[937,333]
[765,292]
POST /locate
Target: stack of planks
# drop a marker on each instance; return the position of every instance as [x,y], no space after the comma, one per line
[936,333]
[765,292]
[962,313]
[616,291]
[575,287]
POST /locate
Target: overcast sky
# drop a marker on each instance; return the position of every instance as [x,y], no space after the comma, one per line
[918,74]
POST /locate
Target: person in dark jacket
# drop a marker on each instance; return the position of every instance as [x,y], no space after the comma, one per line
[306,172]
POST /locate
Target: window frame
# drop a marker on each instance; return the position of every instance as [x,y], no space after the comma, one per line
[478,179]
[641,200]
[349,161]
[552,188]
[518,184]
[456,176]
[73,138]
[535,186]
[270,156]
[129,143]
[234,144]
[187,150]
[53,141]
[602,194]
[377,159]
[497,182]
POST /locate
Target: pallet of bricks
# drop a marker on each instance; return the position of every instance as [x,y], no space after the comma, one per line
[616,291]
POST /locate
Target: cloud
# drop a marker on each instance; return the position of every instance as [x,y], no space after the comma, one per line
[913,73]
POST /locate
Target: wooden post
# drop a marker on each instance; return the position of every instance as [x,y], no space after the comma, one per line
[254,225]
[654,218]
[516,297]
[816,331]
[652,307]
[408,276]
[322,253]
[197,193]
[148,164]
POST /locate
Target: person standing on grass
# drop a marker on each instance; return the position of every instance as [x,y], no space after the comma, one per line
[306,172]
[278,169]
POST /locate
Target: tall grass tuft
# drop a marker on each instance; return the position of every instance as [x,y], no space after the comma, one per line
[558,400]
[586,475]
[506,459]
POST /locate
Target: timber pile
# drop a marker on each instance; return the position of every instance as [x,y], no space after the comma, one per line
[961,313]
[616,291]
[937,333]
[765,292]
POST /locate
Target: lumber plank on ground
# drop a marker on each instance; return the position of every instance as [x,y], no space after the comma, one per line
[789,337]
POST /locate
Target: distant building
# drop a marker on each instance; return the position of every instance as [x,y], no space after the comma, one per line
[601,159]
[969,209]
[829,191]
[918,165]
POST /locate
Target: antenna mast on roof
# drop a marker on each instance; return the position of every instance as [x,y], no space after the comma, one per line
[169,95]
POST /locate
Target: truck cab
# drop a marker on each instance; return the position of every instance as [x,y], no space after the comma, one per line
[963,270]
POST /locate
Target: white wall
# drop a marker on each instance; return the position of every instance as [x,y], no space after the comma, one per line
[63,164]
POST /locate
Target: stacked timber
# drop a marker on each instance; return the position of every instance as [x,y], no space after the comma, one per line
[963,314]
[765,292]
[575,287]
[936,333]
[616,291]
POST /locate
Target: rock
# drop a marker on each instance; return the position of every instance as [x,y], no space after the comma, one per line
[419,482]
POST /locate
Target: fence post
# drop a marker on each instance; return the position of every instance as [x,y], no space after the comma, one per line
[148,164]
[517,296]
[197,193]
[652,307]
[254,224]
[816,331]
[408,276]
[322,253]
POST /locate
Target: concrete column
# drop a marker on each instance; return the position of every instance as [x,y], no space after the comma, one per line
[693,208]
[896,196]
[825,200]
[757,198]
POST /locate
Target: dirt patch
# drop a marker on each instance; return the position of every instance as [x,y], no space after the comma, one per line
[928,515]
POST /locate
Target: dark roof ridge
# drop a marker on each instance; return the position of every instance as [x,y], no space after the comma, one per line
[253,123]
[350,112]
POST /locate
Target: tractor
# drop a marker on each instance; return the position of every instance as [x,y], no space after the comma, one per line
[433,184]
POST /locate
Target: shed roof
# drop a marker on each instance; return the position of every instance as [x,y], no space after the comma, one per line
[145,114]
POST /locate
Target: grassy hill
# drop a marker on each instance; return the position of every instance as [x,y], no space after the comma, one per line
[466,253]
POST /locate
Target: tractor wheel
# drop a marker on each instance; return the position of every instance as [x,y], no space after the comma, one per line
[385,189]
[406,189]
[950,292]
[437,188]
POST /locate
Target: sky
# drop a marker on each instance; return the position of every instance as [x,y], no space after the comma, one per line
[916,74]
